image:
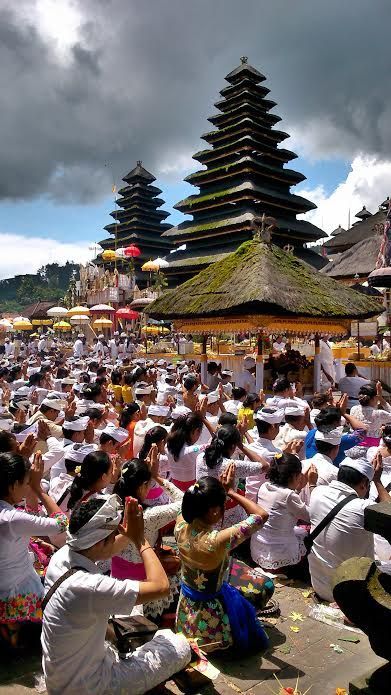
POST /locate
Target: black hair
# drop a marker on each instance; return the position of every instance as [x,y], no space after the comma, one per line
[238,392]
[350,476]
[154,436]
[222,442]
[324,448]
[206,493]
[263,426]
[83,513]
[181,431]
[106,438]
[350,368]
[91,392]
[45,408]
[283,468]
[7,441]
[84,378]
[366,393]
[36,378]
[228,419]
[320,400]
[127,414]
[134,473]
[281,384]
[95,464]
[94,413]
[386,436]
[190,381]
[250,400]
[68,434]
[62,373]
[13,469]
[212,366]
[116,377]
[93,365]
[292,419]
[328,418]
[101,371]
[128,379]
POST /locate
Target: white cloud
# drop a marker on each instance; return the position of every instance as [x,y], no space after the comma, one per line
[58,21]
[20,254]
[368,183]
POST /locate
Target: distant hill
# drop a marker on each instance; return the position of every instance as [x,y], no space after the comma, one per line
[49,283]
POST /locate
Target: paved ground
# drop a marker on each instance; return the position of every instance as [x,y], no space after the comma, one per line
[306,653]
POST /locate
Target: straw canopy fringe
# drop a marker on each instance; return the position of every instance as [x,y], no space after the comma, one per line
[261,278]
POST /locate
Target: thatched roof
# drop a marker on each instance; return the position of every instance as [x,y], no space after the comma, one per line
[360,259]
[38,310]
[359,232]
[261,278]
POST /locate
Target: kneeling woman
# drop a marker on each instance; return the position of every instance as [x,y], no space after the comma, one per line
[210,609]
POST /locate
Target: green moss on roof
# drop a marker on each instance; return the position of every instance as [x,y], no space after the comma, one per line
[210,225]
[199,260]
[260,278]
[201,198]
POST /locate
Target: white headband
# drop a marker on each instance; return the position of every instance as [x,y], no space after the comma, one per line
[118,433]
[213,397]
[78,452]
[159,410]
[331,437]
[76,425]
[274,417]
[294,411]
[360,465]
[55,403]
[179,411]
[22,436]
[6,425]
[101,525]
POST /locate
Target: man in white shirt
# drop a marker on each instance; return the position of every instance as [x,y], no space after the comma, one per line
[226,376]
[76,658]
[246,379]
[234,404]
[295,428]
[351,384]
[284,396]
[267,422]
[279,344]
[8,347]
[114,345]
[43,345]
[326,362]
[345,537]
[78,347]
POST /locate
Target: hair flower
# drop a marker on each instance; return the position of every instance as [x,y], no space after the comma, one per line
[78,470]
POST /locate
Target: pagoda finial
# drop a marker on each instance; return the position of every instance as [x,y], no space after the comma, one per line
[244,60]
[139,163]
[263,228]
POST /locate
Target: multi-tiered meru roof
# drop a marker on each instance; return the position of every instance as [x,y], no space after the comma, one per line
[138,219]
[244,177]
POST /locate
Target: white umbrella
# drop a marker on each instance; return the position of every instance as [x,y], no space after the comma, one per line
[80,318]
[57,311]
[6,323]
[20,319]
[103,307]
[161,262]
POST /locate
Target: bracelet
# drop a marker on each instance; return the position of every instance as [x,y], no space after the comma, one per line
[143,551]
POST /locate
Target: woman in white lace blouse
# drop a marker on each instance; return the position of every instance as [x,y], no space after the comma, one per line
[135,481]
[370,398]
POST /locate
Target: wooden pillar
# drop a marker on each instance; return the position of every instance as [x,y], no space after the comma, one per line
[259,368]
[317,369]
[204,358]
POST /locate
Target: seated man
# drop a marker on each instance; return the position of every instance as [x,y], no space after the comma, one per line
[351,384]
[267,425]
[75,656]
[345,536]
[328,419]
[296,426]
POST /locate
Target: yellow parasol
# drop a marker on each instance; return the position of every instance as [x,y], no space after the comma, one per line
[42,322]
[109,255]
[62,326]
[154,330]
[79,311]
[23,325]
[102,323]
[151,267]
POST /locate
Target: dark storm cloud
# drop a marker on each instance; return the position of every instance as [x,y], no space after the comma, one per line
[143,76]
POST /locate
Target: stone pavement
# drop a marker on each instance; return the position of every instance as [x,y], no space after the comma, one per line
[306,653]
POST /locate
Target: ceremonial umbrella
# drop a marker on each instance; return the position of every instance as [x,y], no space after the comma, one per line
[109,255]
[102,323]
[102,308]
[6,324]
[150,266]
[62,326]
[42,322]
[161,263]
[126,314]
[80,319]
[132,251]
[79,310]
[25,325]
[57,311]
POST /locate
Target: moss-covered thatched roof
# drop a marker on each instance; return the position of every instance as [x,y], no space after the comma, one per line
[261,278]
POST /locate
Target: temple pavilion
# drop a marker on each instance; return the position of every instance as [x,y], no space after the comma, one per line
[139,220]
[244,175]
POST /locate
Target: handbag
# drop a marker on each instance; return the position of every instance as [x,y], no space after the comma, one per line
[126,634]
[309,540]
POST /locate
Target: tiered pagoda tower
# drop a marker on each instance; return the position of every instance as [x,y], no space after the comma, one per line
[244,177]
[139,221]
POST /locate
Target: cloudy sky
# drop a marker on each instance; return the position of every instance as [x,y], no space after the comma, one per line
[90,86]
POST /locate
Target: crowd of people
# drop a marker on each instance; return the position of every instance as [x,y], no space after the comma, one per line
[128,487]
